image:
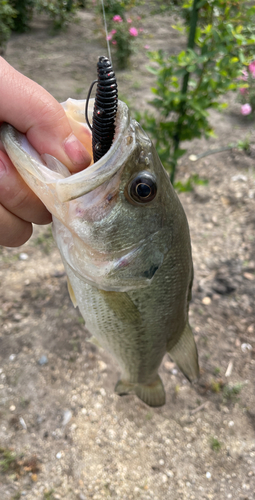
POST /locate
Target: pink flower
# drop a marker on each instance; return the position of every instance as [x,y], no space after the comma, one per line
[109,37]
[243,90]
[246,109]
[113,32]
[114,42]
[147,47]
[117,19]
[244,76]
[133,31]
[138,17]
[129,20]
[252,68]
[141,29]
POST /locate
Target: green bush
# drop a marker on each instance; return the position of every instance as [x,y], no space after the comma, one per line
[7,14]
[24,14]
[220,40]
[61,12]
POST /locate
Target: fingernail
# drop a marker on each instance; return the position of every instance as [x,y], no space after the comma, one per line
[3,168]
[76,151]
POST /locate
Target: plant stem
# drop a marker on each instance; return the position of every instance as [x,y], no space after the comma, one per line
[182,108]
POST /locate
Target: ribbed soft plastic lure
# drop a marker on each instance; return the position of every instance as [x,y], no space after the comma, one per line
[105,109]
[124,240]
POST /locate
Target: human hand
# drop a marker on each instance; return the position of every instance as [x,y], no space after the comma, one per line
[34,112]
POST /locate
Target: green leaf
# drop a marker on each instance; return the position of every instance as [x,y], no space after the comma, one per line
[178,27]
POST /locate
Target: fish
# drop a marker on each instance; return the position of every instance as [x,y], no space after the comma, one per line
[124,240]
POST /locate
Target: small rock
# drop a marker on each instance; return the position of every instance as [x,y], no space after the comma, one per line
[246,347]
[12,408]
[170,473]
[82,497]
[23,423]
[17,317]
[23,256]
[249,276]
[101,365]
[59,455]
[67,417]
[193,157]
[206,301]
[43,360]
[208,475]
[12,357]
[169,366]
[239,177]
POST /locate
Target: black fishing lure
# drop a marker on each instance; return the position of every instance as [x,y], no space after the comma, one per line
[105,108]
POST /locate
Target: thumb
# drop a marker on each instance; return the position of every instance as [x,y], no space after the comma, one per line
[33,111]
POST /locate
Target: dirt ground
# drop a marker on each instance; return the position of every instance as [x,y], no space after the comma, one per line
[64,434]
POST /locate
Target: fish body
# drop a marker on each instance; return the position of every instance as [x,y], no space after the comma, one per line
[124,241]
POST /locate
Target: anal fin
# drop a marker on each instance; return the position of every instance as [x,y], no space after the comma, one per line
[123,388]
[184,354]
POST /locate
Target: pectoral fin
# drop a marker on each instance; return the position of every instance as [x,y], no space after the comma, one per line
[122,306]
[184,354]
[71,293]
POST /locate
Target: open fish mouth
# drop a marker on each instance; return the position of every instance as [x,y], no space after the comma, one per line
[50,171]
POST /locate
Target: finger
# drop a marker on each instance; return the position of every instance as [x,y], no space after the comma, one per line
[33,111]
[17,198]
[13,231]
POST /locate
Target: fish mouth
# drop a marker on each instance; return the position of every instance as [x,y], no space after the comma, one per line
[95,175]
[52,173]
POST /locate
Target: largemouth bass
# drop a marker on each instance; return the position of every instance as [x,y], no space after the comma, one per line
[124,240]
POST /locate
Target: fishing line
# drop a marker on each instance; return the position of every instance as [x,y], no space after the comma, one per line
[106,32]
[106,103]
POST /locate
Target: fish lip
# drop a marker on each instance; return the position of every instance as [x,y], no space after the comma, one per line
[95,175]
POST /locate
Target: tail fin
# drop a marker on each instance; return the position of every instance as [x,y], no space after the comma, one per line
[152,394]
[184,354]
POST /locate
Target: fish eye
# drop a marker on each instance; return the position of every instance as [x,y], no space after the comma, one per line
[143,188]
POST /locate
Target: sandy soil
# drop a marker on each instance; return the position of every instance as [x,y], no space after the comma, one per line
[64,434]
